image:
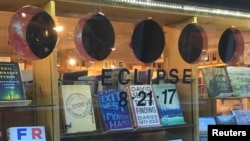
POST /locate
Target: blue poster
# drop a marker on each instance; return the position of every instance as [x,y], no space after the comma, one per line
[114,109]
[168,104]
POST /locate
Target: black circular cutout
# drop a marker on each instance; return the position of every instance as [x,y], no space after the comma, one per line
[31,33]
[148,41]
[192,43]
[231,46]
[40,34]
[94,37]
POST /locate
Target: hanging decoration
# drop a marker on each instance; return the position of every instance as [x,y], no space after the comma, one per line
[148,41]
[31,33]
[231,46]
[192,43]
[94,37]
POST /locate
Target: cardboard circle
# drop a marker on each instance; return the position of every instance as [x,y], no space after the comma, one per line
[147,41]
[192,43]
[231,46]
[94,37]
[31,33]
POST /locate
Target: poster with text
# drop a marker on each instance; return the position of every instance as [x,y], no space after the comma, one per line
[78,108]
[115,114]
[239,79]
[168,104]
[143,105]
[217,82]
[11,85]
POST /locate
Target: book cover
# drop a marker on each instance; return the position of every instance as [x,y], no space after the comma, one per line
[115,114]
[242,116]
[77,108]
[217,82]
[26,133]
[143,105]
[240,79]
[11,85]
[226,120]
[168,104]
[204,122]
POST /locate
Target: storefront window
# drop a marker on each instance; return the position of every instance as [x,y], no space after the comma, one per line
[130,70]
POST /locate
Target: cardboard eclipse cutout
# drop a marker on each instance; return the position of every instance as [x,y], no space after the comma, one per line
[231,46]
[148,41]
[192,43]
[31,33]
[94,37]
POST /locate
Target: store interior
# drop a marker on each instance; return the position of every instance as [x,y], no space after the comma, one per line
[67,15]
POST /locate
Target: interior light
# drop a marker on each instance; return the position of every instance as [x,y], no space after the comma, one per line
[58,28]
[72,61]
[23,14]
[184,8]
[112,66]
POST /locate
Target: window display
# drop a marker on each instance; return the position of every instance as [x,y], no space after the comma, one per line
[135,100]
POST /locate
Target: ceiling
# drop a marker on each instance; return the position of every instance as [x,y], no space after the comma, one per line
[122,18]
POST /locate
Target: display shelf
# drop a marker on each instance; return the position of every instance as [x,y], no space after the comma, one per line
[149,129]
[185,97]
[30,106]
[15,103]
[221,98]
[20,115]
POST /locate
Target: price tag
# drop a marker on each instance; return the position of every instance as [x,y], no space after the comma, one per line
[144,105]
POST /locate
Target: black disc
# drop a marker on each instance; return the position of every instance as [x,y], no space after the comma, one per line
[148,41]
[98,37]
[231,46]
[192,42]
[40,35]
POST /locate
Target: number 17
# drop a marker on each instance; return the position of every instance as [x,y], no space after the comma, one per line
[166,92]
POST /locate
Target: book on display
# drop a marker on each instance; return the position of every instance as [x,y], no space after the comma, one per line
[143,105]
[115,113]
[239,79]
[242,116]
[217,82]
[204,122]
[77,110]
[168,104]
[11,86]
